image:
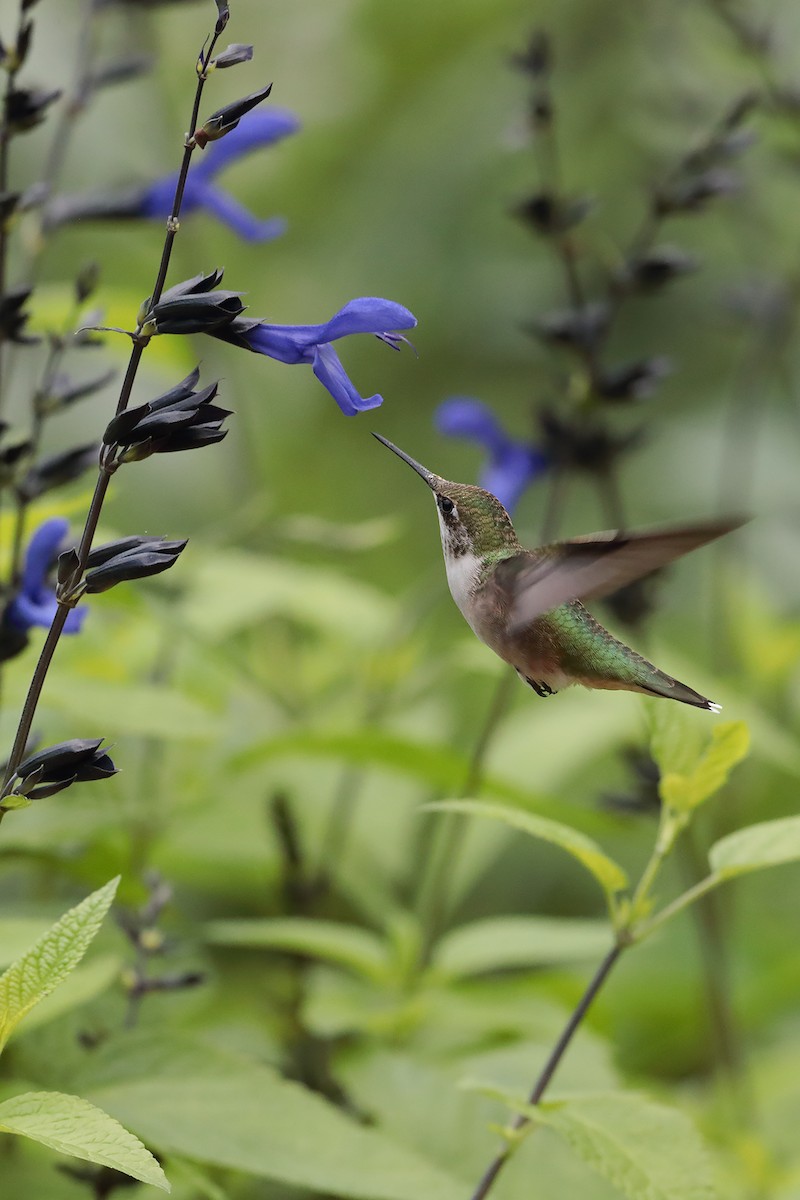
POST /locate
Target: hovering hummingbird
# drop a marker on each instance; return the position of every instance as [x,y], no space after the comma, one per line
[526,604]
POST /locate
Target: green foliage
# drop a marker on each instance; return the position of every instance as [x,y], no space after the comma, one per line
[72,1126]
[42,968]
[758,846]
[694,768]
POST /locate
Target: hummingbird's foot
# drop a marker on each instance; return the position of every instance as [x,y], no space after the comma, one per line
[539,686]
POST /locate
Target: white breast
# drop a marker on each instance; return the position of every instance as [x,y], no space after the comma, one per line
[463,571]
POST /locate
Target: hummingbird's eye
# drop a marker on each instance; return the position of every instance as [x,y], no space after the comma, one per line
[446,505]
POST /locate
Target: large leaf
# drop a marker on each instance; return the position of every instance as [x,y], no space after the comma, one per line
[189,1099]
[646,1150]
[764,845]
[75,1127]
[497,943]
[347,945]
[42,968]
[608,874]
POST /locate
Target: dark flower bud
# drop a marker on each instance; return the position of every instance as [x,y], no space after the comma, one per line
[13,318]
[197,285]
[223,16]
[129,558]
[227,118]
[201,313]
[12,640]
[695,191]
[57,470]
[548,214]
[49,771]
[577,328]
[86,281]
[536,58]
[140,985]
[232,55]
[10,459]
[644,796]
[26,107]
[632,381]
[63,392]
[181,419]
[580,443]
[656,268]
[9,202]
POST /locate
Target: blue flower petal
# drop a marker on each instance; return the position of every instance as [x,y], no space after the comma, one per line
[262,127]
[464,416]
[332,375]
[35,603]
[367,314]
[286,343]
[231,213]
[508,475]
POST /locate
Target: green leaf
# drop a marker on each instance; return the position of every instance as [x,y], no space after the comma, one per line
[730,742]
[72,1126]
[677,737]
[86,981]
[608,874]
[647,1151]
[764,845]
[193,1100]
[51,959]
[499,943]
[346,945]
[151,710]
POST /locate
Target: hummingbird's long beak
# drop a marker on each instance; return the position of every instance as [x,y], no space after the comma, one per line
[427,475]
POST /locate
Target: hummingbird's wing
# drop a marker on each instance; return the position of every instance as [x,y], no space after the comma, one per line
[597,564]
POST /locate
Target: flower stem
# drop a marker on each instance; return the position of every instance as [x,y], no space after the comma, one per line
[550,1067]
[104,475]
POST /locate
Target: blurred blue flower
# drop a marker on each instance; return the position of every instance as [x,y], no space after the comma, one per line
[311,343]
[512,465]
[258,128]
[35,602]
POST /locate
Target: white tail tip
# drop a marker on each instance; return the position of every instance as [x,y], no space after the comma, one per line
[715,708]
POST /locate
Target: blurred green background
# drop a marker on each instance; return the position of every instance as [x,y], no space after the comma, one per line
[306,638]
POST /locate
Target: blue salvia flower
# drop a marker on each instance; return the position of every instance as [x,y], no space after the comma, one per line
[512,465]
[312,343]
[35,602]
[259,128]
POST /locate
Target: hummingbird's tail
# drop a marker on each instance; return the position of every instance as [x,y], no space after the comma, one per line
[660,684]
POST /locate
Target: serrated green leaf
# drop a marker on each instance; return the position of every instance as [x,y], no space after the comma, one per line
[750,849]
[346,945]
[499,943]
[73,1126]
[730,742]
[647,1151]
[41,969]
[608,874]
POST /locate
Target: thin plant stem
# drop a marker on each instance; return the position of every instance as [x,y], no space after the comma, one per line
[550,1067]
[104,474]
[5,143]
[447,843]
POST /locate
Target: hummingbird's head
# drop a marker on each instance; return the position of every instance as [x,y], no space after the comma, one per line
[471,520]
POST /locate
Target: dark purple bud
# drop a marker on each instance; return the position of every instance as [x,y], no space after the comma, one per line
[201,313]
[57,470]
[227,118]
[548,214]
[11,459]
[632,605]
[12,640]
[693,193]
[536,59]
[64,391]
[582,444]
[223,15]
[13,317]
[643,797]
[632,381]
[86,281]
[51,770]
[232,55]
[9,202]
[656,268]
[130,558]
[577,328]
[26,107]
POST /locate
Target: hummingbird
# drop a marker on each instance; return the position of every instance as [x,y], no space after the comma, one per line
[526,604]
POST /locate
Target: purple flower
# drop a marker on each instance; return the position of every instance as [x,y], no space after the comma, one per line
[512,465]
[258,128]
[35,602]
[311,343]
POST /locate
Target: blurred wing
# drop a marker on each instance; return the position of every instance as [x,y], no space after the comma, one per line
[585,568]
